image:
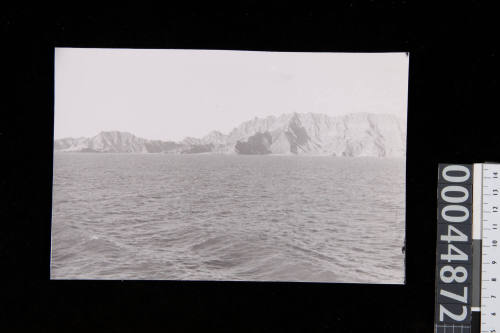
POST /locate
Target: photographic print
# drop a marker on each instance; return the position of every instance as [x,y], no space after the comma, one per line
[229,165]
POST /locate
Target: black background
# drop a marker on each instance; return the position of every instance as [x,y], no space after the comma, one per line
[452,104]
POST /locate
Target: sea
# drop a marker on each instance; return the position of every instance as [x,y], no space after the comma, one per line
[228,217]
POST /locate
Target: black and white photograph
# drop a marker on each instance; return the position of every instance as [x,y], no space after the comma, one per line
[178,164]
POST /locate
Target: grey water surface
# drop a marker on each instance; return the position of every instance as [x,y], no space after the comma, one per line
[228,217]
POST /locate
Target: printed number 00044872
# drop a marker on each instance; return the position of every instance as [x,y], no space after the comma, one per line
[454,213]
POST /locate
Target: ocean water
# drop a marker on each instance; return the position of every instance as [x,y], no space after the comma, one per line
[228,217]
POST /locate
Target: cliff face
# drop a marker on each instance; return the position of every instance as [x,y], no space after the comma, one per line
[257,144]
[359,134]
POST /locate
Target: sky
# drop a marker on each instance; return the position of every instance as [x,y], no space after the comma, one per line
[172,94]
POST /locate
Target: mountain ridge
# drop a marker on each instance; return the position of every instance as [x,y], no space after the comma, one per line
[351,135]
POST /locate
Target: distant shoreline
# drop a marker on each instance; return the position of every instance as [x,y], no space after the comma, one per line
[360,134]
[58,152]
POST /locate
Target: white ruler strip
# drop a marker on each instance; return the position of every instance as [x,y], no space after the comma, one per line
[490,256]
[477,202]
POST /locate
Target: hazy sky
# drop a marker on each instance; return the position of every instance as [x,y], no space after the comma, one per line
[171,94]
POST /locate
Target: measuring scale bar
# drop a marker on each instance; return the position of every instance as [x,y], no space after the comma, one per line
[468,254]
[490,254]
